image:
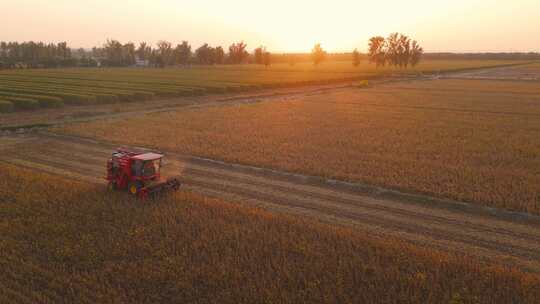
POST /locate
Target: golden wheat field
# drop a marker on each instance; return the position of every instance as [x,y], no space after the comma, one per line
[65,241]
[474,141]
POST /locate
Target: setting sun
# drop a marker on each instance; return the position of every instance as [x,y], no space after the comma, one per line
[285,26]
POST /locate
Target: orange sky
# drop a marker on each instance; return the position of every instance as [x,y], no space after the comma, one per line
[292,25]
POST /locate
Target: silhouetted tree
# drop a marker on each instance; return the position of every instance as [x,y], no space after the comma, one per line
[182,53]
[113,52]
[79,53]
[356,58]
[63,49]
[3,50]
[318,54]
[33,54]
[128,54]
[205,54]
[144,51]
[219,55]
[397,50]
[165,53]
[392,49]
[416,53]
[237,52]
[404,51]
[155,59]
[377,51]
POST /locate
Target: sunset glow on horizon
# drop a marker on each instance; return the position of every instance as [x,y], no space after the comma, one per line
[282,26]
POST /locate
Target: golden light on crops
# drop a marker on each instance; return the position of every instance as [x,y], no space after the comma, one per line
[181,241]
[400,137]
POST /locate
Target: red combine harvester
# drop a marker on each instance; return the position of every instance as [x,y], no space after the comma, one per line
[139,173]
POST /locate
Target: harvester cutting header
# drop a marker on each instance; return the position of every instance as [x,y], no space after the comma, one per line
[139,173]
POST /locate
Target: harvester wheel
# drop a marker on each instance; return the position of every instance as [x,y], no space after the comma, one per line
[134,187]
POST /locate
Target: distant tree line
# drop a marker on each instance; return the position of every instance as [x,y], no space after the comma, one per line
[397,50]
[113,53]
[35,54]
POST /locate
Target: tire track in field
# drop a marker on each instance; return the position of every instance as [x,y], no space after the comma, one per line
[413,223]
[360,204]
[99,156]
[513,242]
[62,158]
[524,258]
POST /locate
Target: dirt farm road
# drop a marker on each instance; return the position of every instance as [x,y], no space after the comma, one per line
[484,233]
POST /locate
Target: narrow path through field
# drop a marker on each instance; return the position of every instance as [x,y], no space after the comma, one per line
[488,234]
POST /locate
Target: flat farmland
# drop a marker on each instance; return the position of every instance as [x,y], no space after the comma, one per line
[54,88]
[492,237]
[64,240]
[469,140]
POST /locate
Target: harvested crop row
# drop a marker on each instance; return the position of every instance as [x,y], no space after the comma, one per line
[102,95]
[6,106]
[22,102]
[44,101]
[100,247]
[68,98]
[161,90]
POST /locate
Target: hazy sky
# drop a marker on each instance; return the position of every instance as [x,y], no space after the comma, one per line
[281,25]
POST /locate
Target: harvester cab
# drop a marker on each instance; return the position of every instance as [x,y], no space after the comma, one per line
[138,172]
